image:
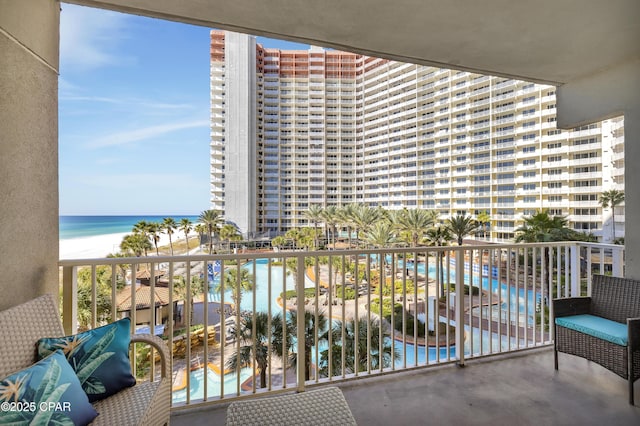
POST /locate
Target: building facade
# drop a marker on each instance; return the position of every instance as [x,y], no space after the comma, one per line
[295,128]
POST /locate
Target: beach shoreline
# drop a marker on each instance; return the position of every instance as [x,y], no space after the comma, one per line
[99,246]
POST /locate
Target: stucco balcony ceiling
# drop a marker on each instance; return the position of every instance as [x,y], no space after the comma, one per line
[547,41]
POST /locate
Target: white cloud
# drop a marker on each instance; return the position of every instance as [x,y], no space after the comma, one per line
[138,105]
[152,182]
[89,37]
[65,87]
[141,134]
[92,99]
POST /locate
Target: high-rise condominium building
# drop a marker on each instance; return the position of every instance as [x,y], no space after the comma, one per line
[294,128]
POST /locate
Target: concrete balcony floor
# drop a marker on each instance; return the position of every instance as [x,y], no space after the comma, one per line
[517,389]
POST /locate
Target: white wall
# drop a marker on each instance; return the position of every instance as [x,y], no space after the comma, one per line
[240,137]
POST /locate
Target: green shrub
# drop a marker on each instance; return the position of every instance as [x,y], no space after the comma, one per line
[410,287]
[408,323]
[308,293]
[349,293]
[386,307]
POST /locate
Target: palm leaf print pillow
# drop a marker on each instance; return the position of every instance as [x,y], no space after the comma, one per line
[100,357]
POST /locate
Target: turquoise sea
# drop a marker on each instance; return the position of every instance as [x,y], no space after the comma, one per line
[90,226]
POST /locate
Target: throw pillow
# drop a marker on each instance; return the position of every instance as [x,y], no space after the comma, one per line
[46,393]
[100,357]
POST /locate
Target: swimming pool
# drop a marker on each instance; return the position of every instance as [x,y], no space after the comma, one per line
[196,384]
[516,300]
[264,295]
[519,303]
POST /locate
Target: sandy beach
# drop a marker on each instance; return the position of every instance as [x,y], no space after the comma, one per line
[101,245]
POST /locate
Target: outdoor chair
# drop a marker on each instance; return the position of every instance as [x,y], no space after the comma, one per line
[324,406]
[145,403]
[603,328]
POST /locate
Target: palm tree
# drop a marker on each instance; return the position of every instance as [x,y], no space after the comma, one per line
[461,226]
[212,220]
[314,215]
[197,287]
[414,223]
[293,234]
[153,229]
[311,327]
[169,225]
[201,230]
[330,217]
[347,217]
[612,198]
[278,241]
[121,268]
[229,232]
[364,217]
[142,228]
[381,235]
[306,237]
[255,347]
[236,283]
[102,298]
[484,219]
[337,266]
[185,226]
[135,244]
[542,228]
[350,340]
[439,236]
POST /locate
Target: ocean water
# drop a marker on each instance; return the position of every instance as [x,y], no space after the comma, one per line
[90,226]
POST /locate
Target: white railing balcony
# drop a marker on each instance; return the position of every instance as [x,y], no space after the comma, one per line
[235,316]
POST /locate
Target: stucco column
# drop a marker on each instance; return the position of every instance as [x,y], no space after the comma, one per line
[29,45]
[632,192]
[611,93]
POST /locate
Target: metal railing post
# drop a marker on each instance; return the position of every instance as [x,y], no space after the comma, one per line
[300,326]
[575,270]
[460,306]
[617,261]
[70,299]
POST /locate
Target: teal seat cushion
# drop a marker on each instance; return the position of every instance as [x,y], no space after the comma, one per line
[599,327]
[46,393]
[100,357]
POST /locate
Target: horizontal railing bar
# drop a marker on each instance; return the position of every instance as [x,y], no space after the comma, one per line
[317,253]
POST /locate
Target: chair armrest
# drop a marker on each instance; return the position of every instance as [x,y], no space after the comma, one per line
[633,328]
[571,306]
[158,344]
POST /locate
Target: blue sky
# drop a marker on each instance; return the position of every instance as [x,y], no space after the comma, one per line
[133,114]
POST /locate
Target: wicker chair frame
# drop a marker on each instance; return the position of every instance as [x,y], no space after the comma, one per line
[146,403]
[616,299]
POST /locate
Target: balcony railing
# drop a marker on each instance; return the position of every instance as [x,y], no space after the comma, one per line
[231,340]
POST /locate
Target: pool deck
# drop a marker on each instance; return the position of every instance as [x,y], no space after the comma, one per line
[511,389]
